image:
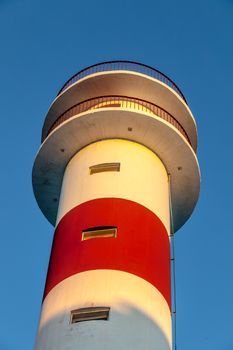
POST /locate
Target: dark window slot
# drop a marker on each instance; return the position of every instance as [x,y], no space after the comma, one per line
[100,168]
[89,314]
[99,232]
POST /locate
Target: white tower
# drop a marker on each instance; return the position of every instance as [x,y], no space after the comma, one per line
[117,163]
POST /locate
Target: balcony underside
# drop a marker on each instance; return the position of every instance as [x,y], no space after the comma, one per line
[111,123]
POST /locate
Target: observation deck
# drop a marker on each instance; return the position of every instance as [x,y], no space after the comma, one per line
[124,100]
[122,65]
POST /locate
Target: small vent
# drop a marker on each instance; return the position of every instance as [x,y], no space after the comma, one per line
[89,314]
[99,232]
[100,168]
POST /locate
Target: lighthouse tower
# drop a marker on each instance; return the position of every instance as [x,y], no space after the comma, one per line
[117,175]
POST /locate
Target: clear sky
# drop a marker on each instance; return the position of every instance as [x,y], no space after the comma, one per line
[43,43]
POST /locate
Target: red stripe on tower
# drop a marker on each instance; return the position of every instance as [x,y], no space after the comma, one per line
[141,246]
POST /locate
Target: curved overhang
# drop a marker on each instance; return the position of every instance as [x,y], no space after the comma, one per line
[125,83]
[114,123]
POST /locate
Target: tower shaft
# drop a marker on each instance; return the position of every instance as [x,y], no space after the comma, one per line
[111,249]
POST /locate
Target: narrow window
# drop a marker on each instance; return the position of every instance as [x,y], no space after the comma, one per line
[100,168]
[89,314]
[99,232]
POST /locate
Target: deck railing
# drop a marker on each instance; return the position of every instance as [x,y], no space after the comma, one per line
[118,102]
[123,65]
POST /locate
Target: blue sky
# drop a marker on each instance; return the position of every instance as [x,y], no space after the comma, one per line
[43,43]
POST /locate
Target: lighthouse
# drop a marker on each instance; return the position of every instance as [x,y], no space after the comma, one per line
[117,175]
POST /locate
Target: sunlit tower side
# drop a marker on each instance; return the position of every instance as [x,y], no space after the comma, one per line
[117,175]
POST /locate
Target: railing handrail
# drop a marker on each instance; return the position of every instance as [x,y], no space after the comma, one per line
[160,112]
[157,72]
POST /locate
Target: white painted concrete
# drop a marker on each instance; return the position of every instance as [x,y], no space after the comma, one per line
[139,317]
[142,178]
